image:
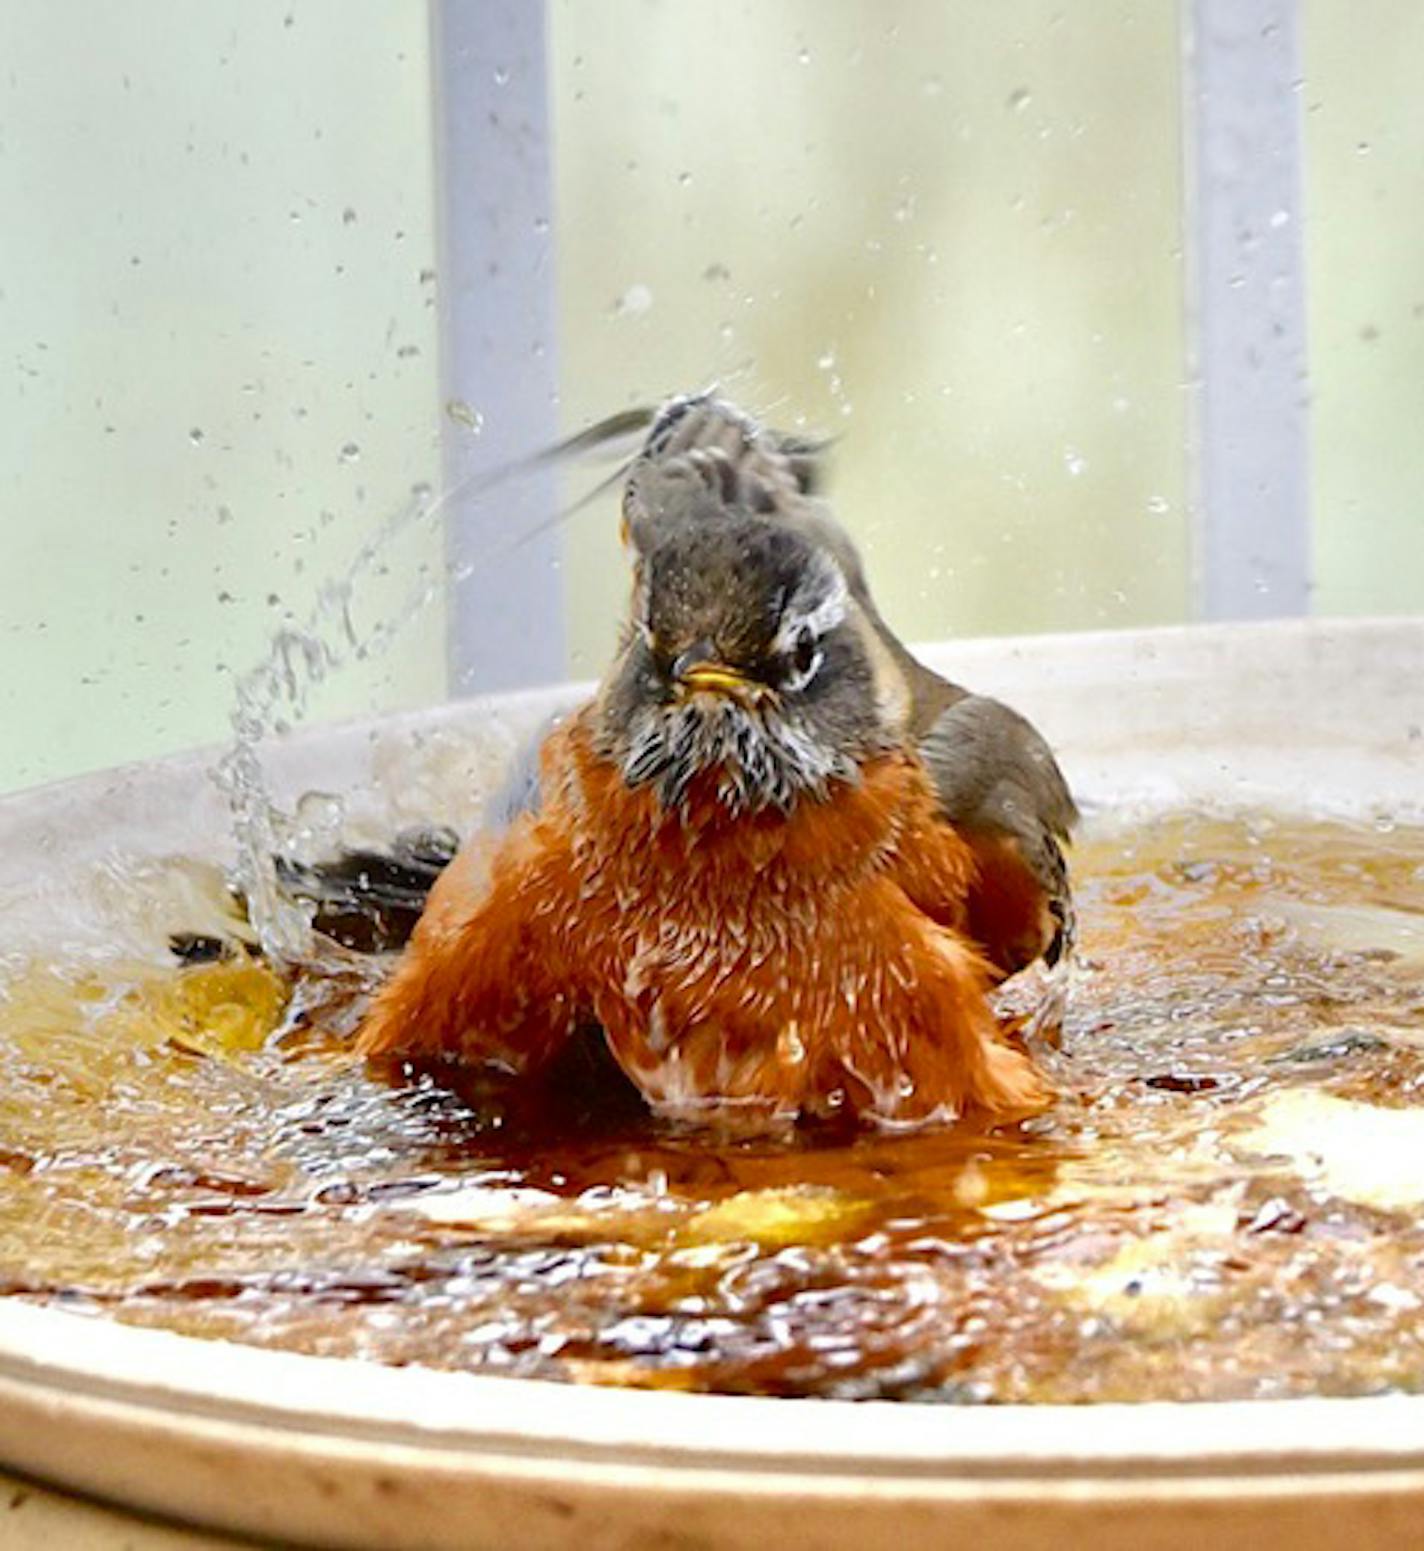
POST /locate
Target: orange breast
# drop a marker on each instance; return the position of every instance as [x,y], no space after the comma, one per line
[807,962]
[801,962]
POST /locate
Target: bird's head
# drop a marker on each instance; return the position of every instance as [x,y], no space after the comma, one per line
[746,656]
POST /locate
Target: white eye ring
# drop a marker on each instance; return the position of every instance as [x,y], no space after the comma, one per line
[802,674]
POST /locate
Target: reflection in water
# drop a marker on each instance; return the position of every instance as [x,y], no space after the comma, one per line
[1251,991]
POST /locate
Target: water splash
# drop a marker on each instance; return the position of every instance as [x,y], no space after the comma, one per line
[273,695]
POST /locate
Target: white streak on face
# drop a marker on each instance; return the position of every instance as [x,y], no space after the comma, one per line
[820,619]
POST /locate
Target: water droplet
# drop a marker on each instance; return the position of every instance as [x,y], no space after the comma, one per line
[826,361]
[501,76]
[348,216]
[684,179]
[1279,218]
[1158,505]
[1074,461]
[196,436]
[465,414]
[803,56]
[905,210]
[315,826]
[932,86]
[635,300]
[790,1047]
[350,452]
[1020,98]
[1363,148]
[320,810]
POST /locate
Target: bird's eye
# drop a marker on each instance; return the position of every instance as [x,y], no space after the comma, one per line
[803,652]
[802,660]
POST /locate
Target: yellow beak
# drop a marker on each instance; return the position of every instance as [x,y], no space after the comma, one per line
[715,676]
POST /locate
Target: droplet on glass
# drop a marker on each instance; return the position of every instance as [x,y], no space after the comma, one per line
[1020,98]
[465,414]
[196,436]
[348,216]
[350,452]
[635,300]
[1074,462]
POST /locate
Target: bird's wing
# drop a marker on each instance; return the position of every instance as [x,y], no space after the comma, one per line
[1000,786]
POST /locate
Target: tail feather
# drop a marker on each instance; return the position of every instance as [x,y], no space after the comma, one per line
[366,900]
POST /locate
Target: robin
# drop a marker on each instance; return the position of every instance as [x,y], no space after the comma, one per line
[994,775]
[777,860]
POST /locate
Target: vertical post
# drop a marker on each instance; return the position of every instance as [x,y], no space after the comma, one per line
[1246,307]
[497,309]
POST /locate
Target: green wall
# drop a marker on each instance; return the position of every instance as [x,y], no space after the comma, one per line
[947,230]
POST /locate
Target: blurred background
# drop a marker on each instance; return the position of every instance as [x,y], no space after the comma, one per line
[948,232]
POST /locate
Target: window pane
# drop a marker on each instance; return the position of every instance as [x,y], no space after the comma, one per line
[948,233]
[1364,240]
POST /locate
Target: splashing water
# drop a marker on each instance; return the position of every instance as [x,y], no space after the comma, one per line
[273,696]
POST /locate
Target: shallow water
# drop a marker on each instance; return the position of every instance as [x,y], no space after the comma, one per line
[1225,1203]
